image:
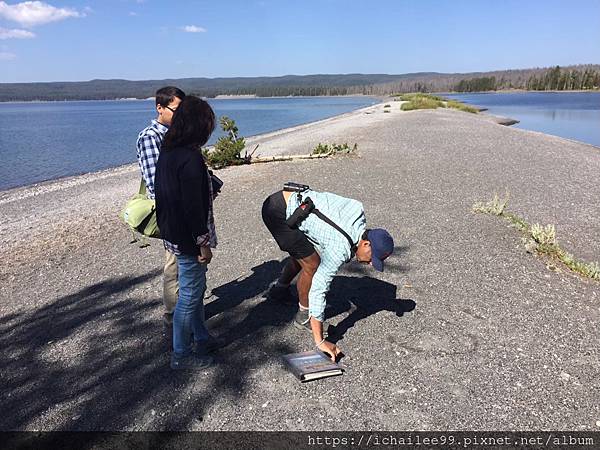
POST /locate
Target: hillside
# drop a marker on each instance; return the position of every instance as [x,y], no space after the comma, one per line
[571,77]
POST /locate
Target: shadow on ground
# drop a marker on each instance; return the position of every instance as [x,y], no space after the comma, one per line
[96,359]
[361,297]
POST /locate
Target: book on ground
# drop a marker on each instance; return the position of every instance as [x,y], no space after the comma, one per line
[311,365]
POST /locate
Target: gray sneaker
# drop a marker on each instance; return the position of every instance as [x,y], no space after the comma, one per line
[302,322]
[191,362]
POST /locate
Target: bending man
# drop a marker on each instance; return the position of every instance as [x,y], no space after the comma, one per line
[331,230]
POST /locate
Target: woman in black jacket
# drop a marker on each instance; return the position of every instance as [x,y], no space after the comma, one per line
[185,218]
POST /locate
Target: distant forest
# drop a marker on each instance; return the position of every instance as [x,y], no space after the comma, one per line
[556,79]
[579,77]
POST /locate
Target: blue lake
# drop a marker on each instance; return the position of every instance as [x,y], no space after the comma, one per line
[572,115]
[44,141]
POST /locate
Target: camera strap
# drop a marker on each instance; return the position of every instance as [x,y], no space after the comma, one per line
[324,218]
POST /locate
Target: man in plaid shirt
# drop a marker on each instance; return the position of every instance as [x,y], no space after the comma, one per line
[148,145]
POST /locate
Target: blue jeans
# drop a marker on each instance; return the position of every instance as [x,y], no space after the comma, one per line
[188,317]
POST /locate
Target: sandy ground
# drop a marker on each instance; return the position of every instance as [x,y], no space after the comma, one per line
[465,330]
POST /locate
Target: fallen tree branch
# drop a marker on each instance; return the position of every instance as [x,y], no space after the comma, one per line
[265,159]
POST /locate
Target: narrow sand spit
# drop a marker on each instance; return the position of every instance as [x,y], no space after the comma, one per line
[464,330]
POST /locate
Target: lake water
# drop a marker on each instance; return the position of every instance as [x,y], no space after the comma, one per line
[572,115]
[44,141]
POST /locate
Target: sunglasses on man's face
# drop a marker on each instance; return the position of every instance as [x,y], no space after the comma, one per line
[171,109]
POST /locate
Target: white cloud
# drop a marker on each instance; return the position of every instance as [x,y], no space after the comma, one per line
[15,34]
[7,56]
[132,14]
[193,29]
[32,13]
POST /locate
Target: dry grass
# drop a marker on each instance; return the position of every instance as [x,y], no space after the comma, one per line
[539,239]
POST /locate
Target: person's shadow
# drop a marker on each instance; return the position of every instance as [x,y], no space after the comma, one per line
[232,294]
[361,297]
[244,302]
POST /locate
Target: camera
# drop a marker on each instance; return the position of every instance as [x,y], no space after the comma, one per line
[301,213]
[295,187]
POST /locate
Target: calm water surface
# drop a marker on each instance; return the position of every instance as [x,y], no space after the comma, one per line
[572,115]
[43,141]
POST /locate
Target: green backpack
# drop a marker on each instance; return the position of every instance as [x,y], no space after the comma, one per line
[140,214]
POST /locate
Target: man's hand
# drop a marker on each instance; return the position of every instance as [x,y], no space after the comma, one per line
[205,255]
[331,349]
[324,346]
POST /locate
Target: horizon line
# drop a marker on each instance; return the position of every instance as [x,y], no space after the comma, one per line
[298,75]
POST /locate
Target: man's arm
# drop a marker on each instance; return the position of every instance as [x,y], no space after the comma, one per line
[148,149]
[316,300]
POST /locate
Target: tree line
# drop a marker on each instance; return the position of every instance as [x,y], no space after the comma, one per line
[563,80]
[554,78]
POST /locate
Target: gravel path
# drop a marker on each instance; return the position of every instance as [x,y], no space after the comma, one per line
[465,330]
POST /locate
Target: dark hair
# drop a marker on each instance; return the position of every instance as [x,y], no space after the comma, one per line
[167,94]
[192,124]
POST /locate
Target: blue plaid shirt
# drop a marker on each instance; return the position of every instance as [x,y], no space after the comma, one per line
[333,248]
[148,148]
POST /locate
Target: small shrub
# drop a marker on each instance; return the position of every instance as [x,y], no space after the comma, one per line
[592,270]
[428,101]
[420,104]
[568,259]
[387,105]
[422,101]
[345,148]
[545,236]
[494,207]
[326,149]
[539,239]
[228,149]
[321,149]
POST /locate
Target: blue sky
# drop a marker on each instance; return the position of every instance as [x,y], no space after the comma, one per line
[72,40]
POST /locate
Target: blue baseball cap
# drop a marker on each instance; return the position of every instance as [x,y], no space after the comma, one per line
[382,246]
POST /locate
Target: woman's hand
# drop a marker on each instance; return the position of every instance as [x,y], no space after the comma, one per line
[205,255]
[331,349]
